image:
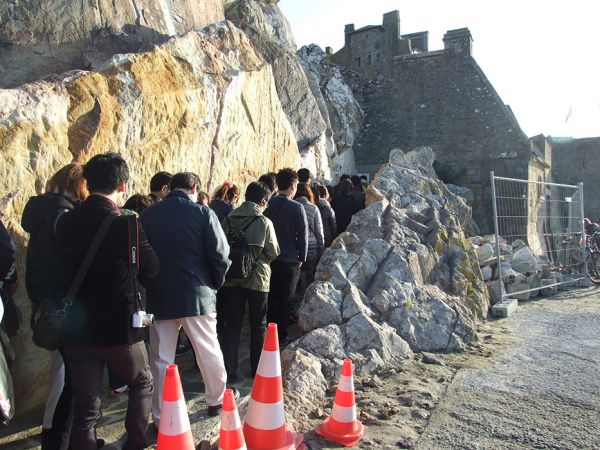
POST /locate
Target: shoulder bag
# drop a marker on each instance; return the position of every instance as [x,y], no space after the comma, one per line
[49,317]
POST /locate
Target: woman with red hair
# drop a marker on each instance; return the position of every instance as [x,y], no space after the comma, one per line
[224,199]
[65,189]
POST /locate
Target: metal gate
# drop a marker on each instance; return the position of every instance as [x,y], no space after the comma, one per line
[539,242]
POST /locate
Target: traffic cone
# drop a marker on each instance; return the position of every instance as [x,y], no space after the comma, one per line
[264,424]
[174,431]
[342,426]
[231,436]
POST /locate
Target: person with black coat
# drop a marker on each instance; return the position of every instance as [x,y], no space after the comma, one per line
[357,194]
[7,253]
[160,186]
[327,215]
[99,329]
[344,206]
[291,227]
[65,189]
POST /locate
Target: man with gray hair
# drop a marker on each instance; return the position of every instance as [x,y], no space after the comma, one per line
[189,240]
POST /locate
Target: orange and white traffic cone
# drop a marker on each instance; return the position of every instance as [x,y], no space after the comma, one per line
[231,436]
[342,426]
[174,431]
[264,424]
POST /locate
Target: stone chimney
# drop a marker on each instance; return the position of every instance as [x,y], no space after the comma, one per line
[459,42]
[349,28]
[391,23]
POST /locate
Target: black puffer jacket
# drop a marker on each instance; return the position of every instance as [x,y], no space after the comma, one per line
[42,271]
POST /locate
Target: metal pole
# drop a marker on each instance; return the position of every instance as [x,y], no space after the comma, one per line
[583,240]
[498,258]
[569,234]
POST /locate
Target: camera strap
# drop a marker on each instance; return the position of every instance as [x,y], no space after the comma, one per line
[86,264]
[134,257]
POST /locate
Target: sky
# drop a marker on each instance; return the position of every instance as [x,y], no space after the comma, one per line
[542,57]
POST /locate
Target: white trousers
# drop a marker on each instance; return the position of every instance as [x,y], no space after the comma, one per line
[202,333]
[57,383]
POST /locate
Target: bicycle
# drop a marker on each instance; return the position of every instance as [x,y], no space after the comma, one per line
[592,256]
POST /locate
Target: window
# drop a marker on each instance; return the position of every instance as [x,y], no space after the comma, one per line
[358,61]
[369,60]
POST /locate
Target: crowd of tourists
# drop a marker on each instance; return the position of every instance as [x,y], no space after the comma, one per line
[174,260]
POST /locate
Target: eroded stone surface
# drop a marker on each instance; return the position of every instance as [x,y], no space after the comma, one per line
[203,102]
[53,36]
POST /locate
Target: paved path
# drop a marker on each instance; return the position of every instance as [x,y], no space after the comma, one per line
[543,391]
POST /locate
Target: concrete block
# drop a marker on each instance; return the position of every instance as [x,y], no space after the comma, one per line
[585,282]
[548,291]
[505,308]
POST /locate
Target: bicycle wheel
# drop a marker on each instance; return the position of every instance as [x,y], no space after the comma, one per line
[594,267]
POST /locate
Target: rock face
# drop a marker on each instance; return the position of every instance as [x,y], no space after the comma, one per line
[53,36]
[269,32]
[204,102]
[402,277]
[320,105]
[339,108]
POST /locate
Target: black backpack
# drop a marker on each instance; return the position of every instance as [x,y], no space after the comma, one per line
[239,253]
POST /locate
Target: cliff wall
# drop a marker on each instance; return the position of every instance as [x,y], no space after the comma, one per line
[204,102]
[38,38]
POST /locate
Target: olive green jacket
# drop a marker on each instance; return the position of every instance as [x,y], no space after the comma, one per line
[262,241]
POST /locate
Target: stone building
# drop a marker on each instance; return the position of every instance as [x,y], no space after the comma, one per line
[370,50]
[441,99]
[574,161]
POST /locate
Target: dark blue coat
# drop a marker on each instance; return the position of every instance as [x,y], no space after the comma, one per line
[194,255]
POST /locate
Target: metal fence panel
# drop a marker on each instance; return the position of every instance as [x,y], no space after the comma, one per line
[547,219]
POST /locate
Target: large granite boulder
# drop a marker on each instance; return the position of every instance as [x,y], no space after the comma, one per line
[402,278]
[204,102]
[52,36]
[523,260]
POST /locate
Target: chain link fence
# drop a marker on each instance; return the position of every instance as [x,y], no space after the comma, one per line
[539,242]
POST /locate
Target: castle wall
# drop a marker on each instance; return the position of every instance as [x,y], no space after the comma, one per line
[443,100]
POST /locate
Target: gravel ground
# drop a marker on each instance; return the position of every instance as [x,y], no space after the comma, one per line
[542,391]
[532,381]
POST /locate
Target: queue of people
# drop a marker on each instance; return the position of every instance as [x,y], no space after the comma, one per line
[176,259]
